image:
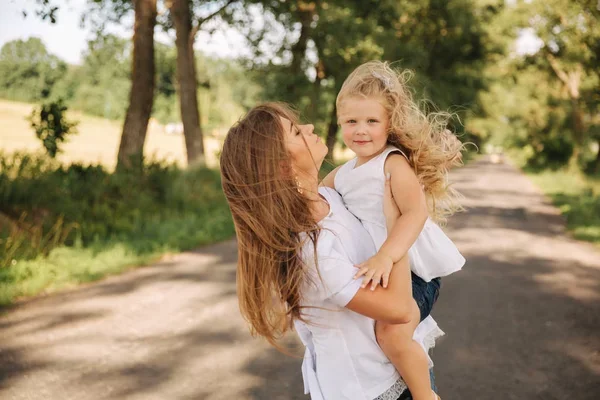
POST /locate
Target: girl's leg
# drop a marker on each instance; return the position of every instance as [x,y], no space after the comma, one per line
[406,394]
[396,341]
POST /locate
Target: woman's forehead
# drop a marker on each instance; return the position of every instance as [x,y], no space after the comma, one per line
[286,123]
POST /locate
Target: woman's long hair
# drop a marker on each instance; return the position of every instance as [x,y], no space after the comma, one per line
[420,135]
[271,219]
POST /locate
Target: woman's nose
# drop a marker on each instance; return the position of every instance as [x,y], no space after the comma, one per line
[309,129]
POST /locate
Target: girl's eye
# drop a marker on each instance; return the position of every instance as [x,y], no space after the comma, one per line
[351,121]
[372,121]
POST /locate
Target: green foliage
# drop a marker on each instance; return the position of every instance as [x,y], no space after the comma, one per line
[101,85]
[46,206]
[51,125]
[103,81]
[545,104]
[27,71]
[446,43]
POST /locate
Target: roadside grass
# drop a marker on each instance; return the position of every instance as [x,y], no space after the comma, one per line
[68,266]
[578,198]
[72,220]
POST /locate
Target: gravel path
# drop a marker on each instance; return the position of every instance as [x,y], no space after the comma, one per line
[522,319]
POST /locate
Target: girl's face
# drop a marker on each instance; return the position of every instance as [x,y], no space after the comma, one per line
[364,123]
[306,149]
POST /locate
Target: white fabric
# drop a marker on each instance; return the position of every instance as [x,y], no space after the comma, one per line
[342,360]
[432,255]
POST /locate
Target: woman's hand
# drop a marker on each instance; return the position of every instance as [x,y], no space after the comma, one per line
[390,209]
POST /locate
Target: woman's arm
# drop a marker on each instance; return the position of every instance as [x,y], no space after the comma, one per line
[391,305]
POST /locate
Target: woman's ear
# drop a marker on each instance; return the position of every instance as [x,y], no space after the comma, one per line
[286,169]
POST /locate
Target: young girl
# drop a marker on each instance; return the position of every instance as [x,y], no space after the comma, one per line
[392,138]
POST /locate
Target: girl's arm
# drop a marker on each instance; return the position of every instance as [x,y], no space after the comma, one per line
[410,199]
[329,180]
[392,305]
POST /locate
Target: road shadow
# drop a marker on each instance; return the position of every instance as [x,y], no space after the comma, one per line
[519,324]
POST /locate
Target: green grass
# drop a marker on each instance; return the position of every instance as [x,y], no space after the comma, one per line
[66,267]
[578,198]
[65,225]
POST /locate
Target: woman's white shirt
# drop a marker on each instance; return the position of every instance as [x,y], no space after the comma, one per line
[342,359]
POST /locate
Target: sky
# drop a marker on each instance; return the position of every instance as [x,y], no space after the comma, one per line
[67,39]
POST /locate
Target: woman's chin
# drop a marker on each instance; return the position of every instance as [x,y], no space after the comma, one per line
[320,160]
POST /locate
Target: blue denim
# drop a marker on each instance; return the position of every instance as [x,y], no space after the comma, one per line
[425,293]
[406,394]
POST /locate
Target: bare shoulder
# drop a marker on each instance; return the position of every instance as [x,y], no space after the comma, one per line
[396,163]
[329,180]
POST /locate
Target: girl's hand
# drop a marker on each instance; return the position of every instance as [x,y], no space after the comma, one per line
[376,270]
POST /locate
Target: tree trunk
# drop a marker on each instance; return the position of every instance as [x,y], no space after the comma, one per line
[597,162]
[332,133]
[141,97]
[572,81]
[305,12]
[578,127]
[186,77]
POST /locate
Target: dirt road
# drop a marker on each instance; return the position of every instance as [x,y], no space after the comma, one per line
[522,319]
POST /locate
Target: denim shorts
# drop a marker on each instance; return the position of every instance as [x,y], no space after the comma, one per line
[425,293]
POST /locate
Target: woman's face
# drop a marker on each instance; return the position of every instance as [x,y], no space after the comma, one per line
[305,147]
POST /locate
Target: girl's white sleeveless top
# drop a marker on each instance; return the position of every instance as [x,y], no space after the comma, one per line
[432,255]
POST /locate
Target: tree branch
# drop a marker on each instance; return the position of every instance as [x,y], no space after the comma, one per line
[559,72]
[200,21]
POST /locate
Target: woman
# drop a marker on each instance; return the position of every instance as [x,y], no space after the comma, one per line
[297,249]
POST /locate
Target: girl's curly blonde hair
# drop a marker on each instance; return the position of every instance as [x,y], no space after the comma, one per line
[424,138]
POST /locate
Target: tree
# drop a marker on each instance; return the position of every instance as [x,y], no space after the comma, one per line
[141,96]
[51,125]
[443,41]
[27,71]
[104,79]
[143,70]
[186,27]
[570,32]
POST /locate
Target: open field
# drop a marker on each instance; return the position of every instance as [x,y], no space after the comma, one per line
[97,140]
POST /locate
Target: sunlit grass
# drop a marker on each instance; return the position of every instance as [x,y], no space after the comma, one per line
[97,139]
[578,198]
[69,266]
